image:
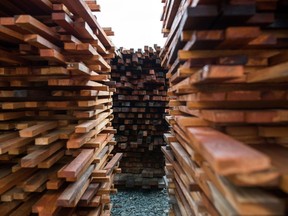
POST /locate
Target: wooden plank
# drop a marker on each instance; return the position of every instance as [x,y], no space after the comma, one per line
[65,21]
[224,157]
[46,205]
[265,178]
[187,121]
[78,68]
[8,196]
[99,140]
[185,55]
[237,37]
[73,169]
[52,55]
[48,138]
[35,157]
[113,162]
[85,31]
[45,5]
[13,105]
[72,194]
[40,42]
[94,7]
[31,24]
[213,73]
[11,115]
[81,8]
[14,143]
[25,208]
[37,129]
[6,126]
[77,140]
[90,124]
[277,155]
[275,73]
[10,35]
[7,136]
[89,194]
[54,184]
[273,131]
[35,181]
[7,208]
[49,162]
[20,195]
[12,179]
[240,198]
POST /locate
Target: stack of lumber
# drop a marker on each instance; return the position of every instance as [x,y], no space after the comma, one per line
[227,68]
[56,136]
[139,106]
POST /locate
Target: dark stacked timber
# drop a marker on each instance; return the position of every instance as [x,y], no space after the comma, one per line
[139,106]
[227,149]
[56,135]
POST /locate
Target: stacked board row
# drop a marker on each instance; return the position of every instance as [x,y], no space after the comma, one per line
[227,68]
[56,135]
[139,106]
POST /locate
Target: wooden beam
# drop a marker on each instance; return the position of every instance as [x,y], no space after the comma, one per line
[73,193]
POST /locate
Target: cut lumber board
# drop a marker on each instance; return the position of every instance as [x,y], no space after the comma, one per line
[277,73]
[15,178]
[14,143]
[37,129]
[37,156]
[72,194]
[113,162]
[46,204]
[233,158]
[81,9]
[73,169]
[31,24]
[89,194]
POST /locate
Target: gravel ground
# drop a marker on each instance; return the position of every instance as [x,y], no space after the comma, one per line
[140,203]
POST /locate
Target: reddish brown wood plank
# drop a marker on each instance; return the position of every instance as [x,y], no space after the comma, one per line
[73,169]
[226,155]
